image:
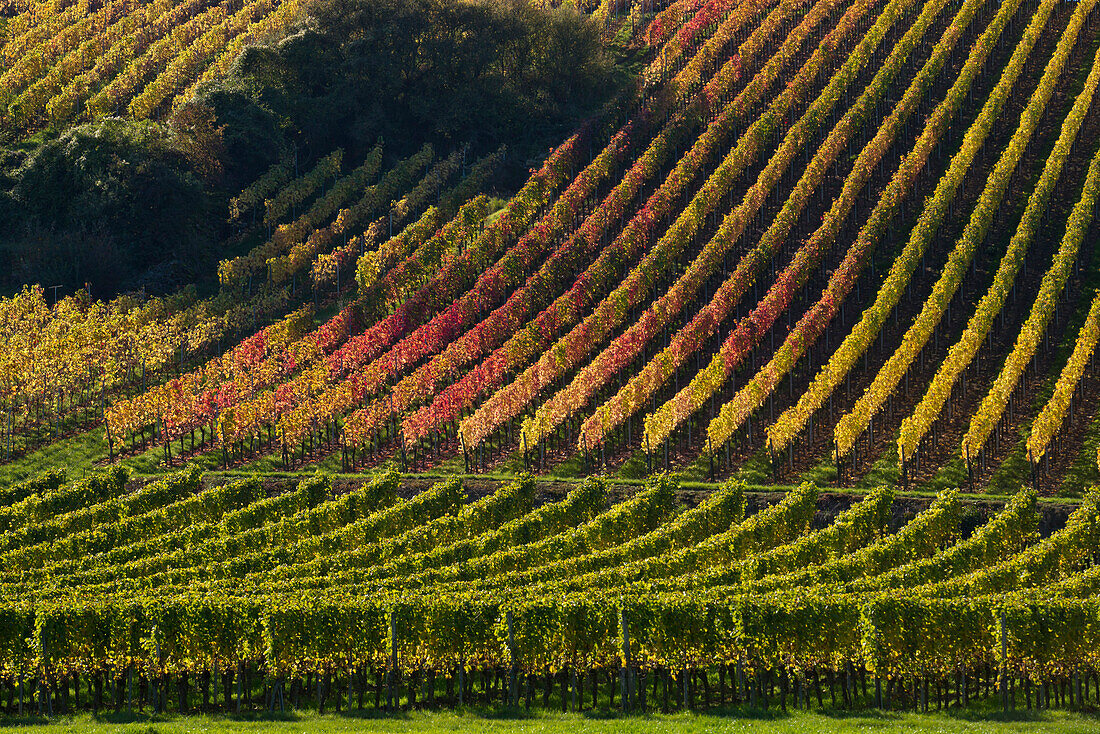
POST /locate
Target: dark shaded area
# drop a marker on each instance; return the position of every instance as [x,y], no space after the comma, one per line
[115,203]
[409,72]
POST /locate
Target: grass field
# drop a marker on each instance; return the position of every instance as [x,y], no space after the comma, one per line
[473,721]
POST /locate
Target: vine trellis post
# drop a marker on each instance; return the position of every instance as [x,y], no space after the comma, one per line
[391,674]
[513,694]
[626,672]
[1004,661]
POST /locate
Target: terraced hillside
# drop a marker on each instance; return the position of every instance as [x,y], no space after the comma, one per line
[822,239]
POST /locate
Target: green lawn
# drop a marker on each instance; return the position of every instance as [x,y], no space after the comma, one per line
[759,723]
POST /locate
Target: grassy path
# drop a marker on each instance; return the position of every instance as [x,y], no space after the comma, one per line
[480,721]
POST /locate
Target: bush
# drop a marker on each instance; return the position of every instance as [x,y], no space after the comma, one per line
[411,72]
[114,203]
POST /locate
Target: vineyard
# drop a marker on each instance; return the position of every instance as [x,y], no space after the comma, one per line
[773,383]
[183,594]
[65,62]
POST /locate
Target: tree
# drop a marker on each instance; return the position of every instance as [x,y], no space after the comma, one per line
[115,203]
